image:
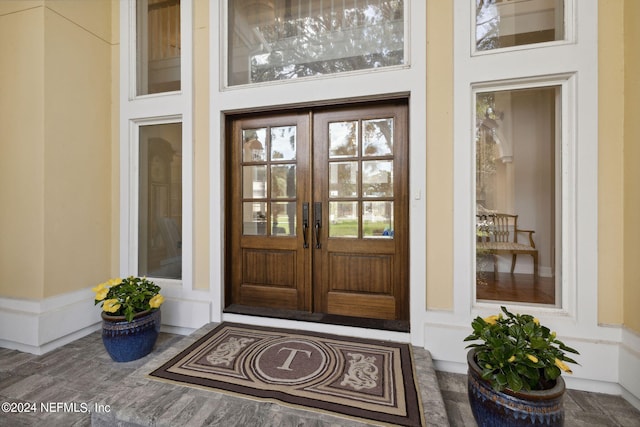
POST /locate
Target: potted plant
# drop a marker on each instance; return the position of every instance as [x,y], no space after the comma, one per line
[130,316]
[515,372]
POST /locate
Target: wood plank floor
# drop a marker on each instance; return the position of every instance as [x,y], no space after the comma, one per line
[515,287]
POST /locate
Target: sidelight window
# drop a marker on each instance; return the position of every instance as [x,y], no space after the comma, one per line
[160,201]
[518,195]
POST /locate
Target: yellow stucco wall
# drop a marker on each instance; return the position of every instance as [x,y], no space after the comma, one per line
[77,144]
[22,146]
[201,143]
[439,161]
[610,161]
[57,69]
[631,317]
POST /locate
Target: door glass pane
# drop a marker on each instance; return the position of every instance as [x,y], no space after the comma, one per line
[343,139]
[283,181]
[283,143]
[518,194]
[254,184]
[343,179]
[160,201]
[343,219]
[283,219]
[254,218]
[377,178]
[507,23]
[254,142]
[377,220]
[280,39]
[377,138]
[158,46]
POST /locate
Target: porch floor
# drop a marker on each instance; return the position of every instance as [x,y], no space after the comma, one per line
[81,386]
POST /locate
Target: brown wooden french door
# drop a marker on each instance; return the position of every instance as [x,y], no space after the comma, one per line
[318,211]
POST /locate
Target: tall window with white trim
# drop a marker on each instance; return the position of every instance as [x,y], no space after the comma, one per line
[156,139]
[160,201]
[518,194]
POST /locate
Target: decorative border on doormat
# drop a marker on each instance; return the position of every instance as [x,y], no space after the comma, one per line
[353,377]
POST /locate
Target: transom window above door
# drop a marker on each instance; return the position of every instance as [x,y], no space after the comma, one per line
[272,40]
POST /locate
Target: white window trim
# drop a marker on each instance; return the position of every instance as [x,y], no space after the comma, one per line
[135,111]
[567,174]
[569,33]
[332,88]
[574,66]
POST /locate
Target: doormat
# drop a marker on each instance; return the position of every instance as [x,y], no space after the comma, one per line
[353,377]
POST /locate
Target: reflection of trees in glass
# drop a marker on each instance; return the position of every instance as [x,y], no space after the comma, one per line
[343,139]
[283,142]
[378,137]
[377,178]
[343,179]
[338,40]
[485,146]
[487,25]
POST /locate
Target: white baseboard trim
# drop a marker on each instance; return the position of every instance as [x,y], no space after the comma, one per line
[629,365]
[619,376]
[38,327]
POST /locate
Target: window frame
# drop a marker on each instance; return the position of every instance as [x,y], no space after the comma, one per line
[157,108]
[224,49]
[569,33]
[565,175]
[574,66]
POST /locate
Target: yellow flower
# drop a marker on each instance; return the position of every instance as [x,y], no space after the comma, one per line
[100,287]
[560,364]
[101,294]
[114,282]
[536,321]
[111,305]
[532,358]
[512,358]
[156,301]
[553,335]
[492,319]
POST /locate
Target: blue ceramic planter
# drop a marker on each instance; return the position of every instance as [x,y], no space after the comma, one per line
[513,409]
[127,341]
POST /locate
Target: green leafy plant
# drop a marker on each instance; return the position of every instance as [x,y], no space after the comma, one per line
[518,352]
[127,297]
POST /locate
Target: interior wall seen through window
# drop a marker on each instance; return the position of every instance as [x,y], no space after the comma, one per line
[517,195]
[508,23]
[158,46]
[160,201]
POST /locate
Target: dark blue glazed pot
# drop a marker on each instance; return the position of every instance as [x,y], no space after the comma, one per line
[127,341]
[508,408]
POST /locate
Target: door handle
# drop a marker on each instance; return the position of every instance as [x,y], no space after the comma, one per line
[305,224]
[317,218]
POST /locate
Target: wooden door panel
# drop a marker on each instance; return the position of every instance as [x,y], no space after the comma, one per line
[270,268]
[361,267]
[369,274]
[268,265]
[355,191]
[362,305]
